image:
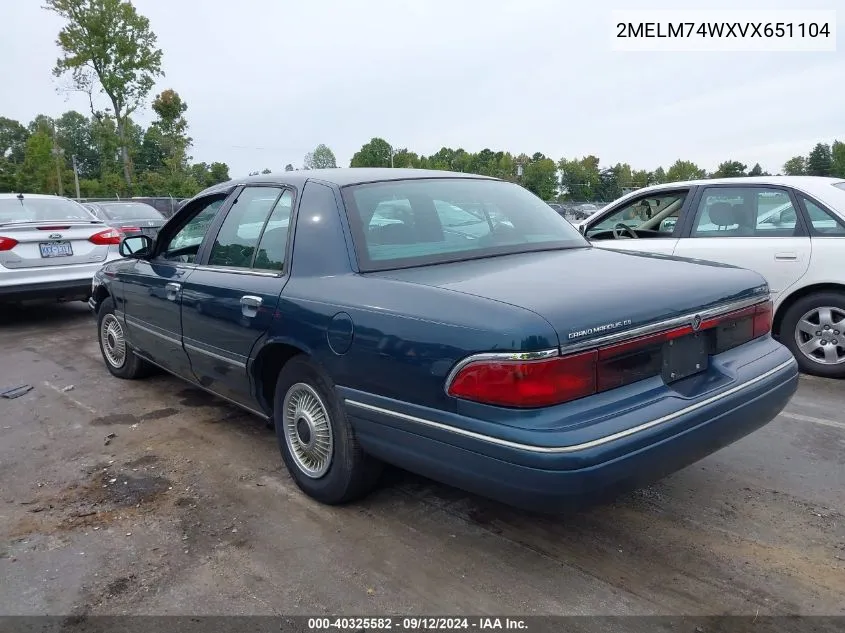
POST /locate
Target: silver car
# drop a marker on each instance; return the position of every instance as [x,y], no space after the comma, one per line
[130,218]
[50,248]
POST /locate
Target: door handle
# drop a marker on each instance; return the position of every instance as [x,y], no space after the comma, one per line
[250,305]
[789,257]
[172,290]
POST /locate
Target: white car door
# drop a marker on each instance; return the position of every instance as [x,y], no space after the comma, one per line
[647,223]
[754,227]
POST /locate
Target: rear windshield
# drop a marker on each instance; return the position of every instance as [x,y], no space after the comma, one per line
[404,223]
[41,210]
[131,211]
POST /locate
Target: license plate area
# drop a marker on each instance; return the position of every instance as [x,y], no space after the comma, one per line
[55,249]
[685,356]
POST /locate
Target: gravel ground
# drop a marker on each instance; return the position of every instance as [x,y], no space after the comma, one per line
[151,497]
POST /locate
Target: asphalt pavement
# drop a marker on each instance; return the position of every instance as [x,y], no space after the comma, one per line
[151,497]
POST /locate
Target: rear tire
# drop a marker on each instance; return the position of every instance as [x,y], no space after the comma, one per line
[317,442]
[813,329]
[120,360]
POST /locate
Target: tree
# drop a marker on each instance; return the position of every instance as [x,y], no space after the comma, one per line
[172,127]
[683,170]
[820,160]
[38,171]
[540,177]
[13,138]
[289,167]
[376,153]
[266,171]
[795,166]
[730,169]
[580,178]
[658,177]
[321,158]
[107,41]
[74,136]
[757,171]
[837,152]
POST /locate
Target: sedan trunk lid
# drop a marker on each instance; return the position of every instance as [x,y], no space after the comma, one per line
[585,293]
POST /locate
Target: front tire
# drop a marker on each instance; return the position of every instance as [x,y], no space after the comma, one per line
[120,360]
[317,443]
[813,329]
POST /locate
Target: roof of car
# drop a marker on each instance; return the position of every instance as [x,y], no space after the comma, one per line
[6,196]
[342,176]
[791,181]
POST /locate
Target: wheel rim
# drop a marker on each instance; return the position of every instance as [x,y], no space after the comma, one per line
[820,335]
[308,430]
[113,341]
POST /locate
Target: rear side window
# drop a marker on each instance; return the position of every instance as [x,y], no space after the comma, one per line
[821,220]
[403,223]
[237,241]
[745,212]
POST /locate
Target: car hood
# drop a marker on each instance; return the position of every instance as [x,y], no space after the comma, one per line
[589,292]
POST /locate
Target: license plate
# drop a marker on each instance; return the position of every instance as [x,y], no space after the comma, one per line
[55,249]
[684,357]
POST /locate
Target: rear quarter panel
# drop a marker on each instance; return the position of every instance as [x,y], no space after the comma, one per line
[382,336]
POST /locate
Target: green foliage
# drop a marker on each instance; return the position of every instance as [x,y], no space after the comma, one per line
[795,166]
[289,167]
[730,169]
[321,158]
[540,177]
[376,153]
[107,43]
[820,160]
[837,166]
[684,170]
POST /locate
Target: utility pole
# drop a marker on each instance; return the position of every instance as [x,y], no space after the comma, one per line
[58,153]
[75,176]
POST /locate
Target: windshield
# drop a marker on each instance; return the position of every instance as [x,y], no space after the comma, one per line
[131,211]
[428,221]
[42,210]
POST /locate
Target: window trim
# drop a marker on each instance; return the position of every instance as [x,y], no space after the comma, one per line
[168,232]
[800,225]
[801,195]
[205,248]
[654,193]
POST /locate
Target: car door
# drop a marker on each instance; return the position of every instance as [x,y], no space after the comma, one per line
[649,222]
[751,226]
[152,289]
[230,299]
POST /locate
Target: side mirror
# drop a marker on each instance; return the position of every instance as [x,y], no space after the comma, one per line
[582,228]
[136,246]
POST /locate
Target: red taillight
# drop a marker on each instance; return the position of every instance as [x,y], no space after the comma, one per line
[130,229]
[7,243]
[546,382]
[109,236]
[763,315]
[532,383]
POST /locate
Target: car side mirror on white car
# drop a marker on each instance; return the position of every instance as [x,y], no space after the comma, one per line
[136,246]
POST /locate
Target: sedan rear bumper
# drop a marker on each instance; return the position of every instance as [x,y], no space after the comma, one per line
[542,480]
[70,290]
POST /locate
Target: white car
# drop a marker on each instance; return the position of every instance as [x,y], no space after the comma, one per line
[50,248]
[790,229]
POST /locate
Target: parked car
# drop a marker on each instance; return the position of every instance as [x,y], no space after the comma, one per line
[165,205]
[50,248]
[469,358]
[131,218]
[790,229]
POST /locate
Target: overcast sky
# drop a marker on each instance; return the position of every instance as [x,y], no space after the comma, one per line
[267,80]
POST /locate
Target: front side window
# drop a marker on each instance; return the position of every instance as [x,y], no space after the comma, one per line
[822,221]
[655,215]
[745,212]
[239,235]
[184,245]
[403,223]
